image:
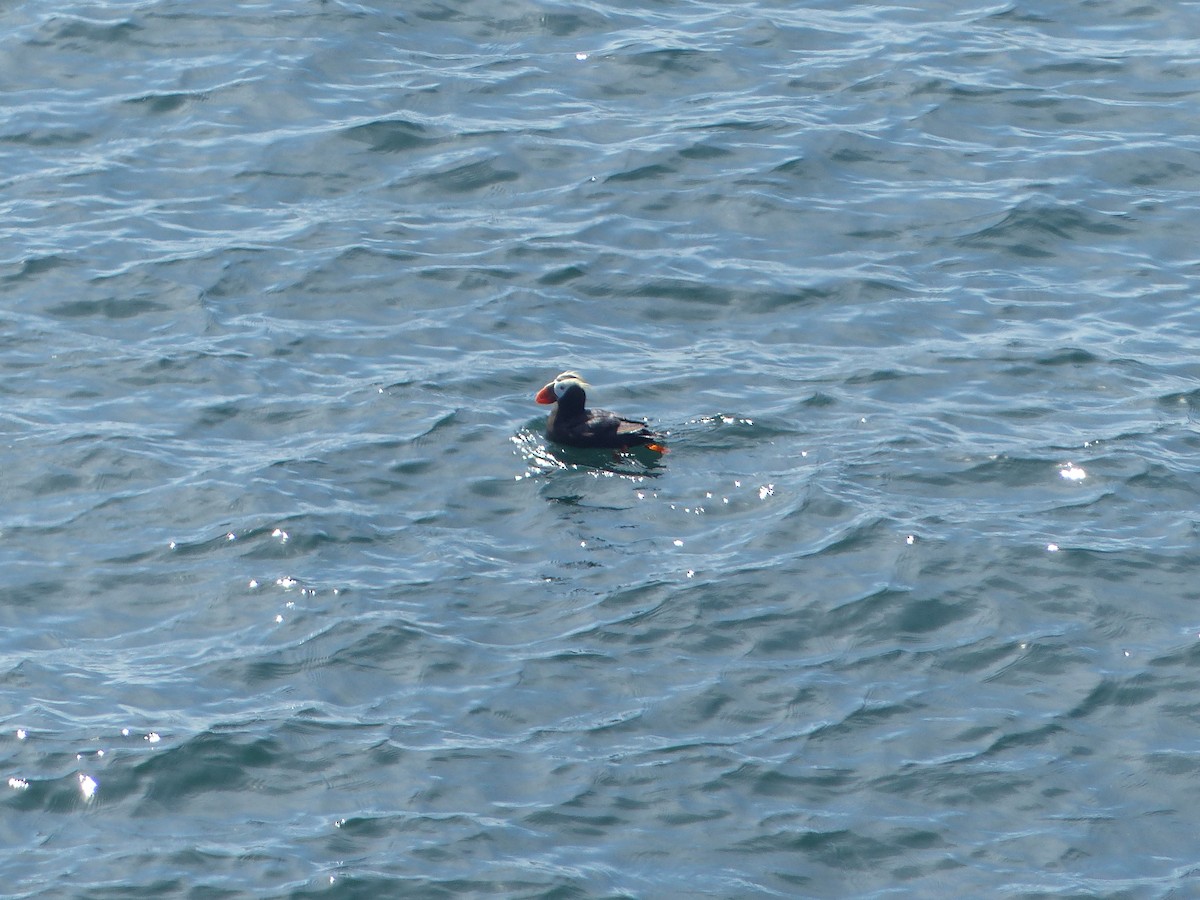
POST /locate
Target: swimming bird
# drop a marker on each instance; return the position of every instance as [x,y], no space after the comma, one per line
[570,422]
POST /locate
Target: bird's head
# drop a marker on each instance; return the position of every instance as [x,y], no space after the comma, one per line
[558,388]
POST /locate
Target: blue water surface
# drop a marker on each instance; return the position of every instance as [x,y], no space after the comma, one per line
[298,601]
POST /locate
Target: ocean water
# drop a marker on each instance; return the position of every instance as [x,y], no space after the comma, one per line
[298,601]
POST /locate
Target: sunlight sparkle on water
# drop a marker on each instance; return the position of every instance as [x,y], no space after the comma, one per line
[87,786]
[1072,472]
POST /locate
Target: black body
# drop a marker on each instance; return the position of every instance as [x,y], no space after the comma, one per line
[570,422]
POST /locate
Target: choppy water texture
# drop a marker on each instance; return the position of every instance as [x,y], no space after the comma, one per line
[298,602]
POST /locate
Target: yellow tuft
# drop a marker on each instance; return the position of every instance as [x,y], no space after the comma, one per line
[571,376]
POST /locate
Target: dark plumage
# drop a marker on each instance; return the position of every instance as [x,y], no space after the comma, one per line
[570,422]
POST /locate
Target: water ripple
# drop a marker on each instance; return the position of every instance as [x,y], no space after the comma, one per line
[300,599]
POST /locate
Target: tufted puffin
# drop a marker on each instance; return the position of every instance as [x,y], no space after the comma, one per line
[570,423]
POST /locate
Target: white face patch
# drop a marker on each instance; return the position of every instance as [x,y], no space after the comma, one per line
[567,380]
[560,387]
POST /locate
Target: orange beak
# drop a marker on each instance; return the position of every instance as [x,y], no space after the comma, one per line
[546,394]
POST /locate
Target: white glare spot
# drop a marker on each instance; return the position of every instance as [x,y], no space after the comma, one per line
[766,491]
[581,56]
[87,786]
[286,582]
[253,583]
[583,543]
[124,732]
[691,573]
[1072,472]
[1023,645]
[278,619]
[99,752]
[1052,548]
[911,539]
[678,543]
[154,737]
[18,784]
[171,545]
[22,734]
[1126,652]
[281,534]
[231,536]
